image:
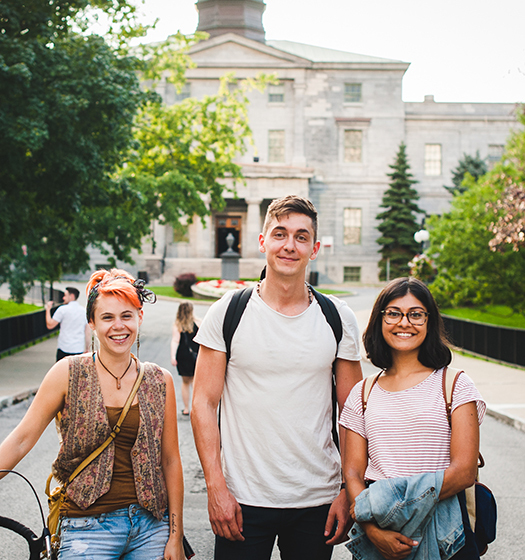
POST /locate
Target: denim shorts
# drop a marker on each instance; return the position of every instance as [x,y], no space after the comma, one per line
[130,533]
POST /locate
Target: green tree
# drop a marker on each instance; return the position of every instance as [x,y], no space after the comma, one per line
[184,151]
[67,104]
[486,216]
[508,212]
[87,156]
[398,221]
[469,164]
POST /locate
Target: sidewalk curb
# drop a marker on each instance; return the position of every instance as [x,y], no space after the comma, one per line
[512,421]
[8,401]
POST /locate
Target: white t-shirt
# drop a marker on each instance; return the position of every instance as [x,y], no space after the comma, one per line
[72,319]
[277,449]
[407,431]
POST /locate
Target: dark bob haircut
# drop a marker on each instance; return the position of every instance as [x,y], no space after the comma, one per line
[433,353]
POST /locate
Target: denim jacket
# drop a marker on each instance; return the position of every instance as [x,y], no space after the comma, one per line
[409,505]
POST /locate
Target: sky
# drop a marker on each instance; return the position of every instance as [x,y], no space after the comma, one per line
[458,50]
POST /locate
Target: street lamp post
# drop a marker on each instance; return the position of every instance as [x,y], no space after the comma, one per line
[422,236]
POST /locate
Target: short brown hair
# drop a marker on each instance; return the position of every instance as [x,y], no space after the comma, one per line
[290,204]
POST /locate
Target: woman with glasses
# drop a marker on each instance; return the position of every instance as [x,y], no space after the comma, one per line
[403,463]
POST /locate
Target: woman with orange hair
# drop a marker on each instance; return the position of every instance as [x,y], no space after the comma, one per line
[125,504]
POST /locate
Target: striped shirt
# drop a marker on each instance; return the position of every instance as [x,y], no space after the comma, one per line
[407,431]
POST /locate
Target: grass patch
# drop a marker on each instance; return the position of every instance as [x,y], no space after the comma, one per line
[334,292]
[500,315]
[10,308]
[170,292]
[166,291]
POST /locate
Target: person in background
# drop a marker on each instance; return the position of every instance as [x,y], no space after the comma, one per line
[127,503]
[402,439]
[73,337]
[184,350]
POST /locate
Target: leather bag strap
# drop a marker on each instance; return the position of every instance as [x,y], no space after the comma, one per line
[368,384]
[450,376]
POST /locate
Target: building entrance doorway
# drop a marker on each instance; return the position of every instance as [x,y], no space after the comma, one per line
[223,226]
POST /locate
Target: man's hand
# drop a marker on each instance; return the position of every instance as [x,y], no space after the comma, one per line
[50,322]
[339,513]
[225,514]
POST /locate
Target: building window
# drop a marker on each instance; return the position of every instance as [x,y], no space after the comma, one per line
[352,226]
[276,93]
[495,154]
[276,146]
[352,93]
[353,146]
[432,159]
[352,274]
[184,93]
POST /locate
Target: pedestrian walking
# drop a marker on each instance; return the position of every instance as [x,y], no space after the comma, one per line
[184,350]
[74,331]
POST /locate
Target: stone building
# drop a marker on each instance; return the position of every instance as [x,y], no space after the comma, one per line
[328,130]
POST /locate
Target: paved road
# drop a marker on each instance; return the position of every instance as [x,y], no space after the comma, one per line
[502,446]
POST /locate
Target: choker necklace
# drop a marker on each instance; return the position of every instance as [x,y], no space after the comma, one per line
[117,379]
[308,287]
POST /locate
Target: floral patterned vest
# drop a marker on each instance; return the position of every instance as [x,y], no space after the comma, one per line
[84,426]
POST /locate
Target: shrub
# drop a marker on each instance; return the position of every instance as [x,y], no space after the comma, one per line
[183,284]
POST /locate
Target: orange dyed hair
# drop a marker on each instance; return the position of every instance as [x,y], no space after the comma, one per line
[115,282]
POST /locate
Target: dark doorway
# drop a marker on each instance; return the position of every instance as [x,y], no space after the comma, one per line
[224,226]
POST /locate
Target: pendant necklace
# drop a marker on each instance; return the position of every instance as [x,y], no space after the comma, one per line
[117,379]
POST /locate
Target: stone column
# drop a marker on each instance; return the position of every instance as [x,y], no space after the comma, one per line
[250,242]
[299,159]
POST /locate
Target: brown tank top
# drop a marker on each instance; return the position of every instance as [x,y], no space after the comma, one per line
[122,491]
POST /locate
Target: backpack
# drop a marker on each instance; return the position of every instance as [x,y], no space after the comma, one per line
[236,309]
[481,504]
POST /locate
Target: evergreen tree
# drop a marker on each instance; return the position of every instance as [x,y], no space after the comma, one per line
[469,164]
[398,221]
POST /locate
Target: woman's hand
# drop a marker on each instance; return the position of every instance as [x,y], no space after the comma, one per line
[391,545]
[174,549]
[352,512]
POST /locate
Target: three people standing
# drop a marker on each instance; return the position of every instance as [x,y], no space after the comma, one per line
[272,470]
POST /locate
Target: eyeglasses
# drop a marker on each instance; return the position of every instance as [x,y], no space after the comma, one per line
[393,317]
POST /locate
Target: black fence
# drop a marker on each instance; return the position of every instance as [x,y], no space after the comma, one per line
[24,329]
[500,343]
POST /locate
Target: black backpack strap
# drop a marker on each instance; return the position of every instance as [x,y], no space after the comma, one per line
[334,320]
[331,314]
[233,316]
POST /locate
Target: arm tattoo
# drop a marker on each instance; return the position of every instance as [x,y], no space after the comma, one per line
[173,524]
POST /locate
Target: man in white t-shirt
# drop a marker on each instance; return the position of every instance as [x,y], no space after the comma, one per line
[274,471]
[74,331]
